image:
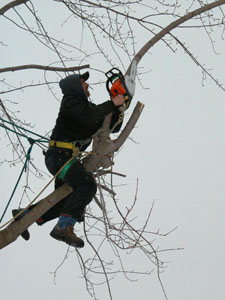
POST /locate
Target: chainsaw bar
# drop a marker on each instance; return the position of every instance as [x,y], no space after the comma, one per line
[130,79]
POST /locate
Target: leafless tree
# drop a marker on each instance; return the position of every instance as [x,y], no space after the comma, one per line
[111,28]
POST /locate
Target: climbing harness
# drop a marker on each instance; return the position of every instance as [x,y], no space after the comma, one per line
[75,147]
[75,157]
[70,145]
[67,145]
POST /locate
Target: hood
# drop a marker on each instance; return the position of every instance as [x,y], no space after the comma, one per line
[71,85]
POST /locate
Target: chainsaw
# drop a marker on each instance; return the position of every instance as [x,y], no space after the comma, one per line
[117,83]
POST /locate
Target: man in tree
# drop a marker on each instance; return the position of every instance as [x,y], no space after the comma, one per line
[78,120]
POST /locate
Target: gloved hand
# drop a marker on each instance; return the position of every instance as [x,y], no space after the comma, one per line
[118,100]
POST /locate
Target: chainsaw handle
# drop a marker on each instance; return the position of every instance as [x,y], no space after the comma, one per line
[111,73]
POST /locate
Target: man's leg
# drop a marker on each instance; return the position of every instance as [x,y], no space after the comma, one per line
[84,189]
[54,160]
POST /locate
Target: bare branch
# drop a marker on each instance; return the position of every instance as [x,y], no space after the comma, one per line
[46,68]
[170,27]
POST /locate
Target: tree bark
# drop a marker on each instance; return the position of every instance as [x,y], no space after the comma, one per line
[13,230]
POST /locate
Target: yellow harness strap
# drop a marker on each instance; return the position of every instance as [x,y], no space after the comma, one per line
[65,145]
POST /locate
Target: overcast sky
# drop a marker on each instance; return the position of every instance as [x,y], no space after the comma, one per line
[177,157]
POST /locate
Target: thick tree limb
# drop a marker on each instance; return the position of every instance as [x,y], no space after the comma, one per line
[106,146]
[11,5]
[46,68]
[13,230]
[129,126]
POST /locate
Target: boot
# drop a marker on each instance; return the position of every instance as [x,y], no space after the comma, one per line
[25,235]
[67,235]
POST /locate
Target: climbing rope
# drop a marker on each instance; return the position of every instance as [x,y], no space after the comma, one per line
[24,129]
[27,156]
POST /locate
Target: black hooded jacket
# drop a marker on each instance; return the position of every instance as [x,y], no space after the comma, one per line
[78,118]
